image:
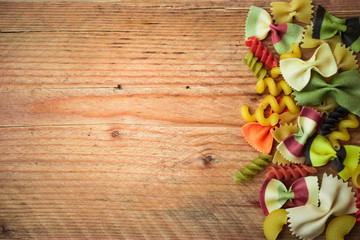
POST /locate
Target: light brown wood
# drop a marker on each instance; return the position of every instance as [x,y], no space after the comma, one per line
[121,120]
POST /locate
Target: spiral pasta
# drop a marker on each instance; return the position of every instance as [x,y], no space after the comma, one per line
[286,101]
[255,66]
[259,117]
[333,118]
[295,53]
[261,52]
[294,170]
[274,222]
[339,227]
[345,58]
[343,133]
[252,168]
[357,214]
[275,88]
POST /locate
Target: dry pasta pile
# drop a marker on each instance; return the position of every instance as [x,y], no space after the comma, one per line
[310,105]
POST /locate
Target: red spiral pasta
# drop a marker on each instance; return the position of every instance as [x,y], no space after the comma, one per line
[261,52]
[357,214]
[294,170]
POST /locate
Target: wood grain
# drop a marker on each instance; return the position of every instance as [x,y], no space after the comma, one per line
[121,120]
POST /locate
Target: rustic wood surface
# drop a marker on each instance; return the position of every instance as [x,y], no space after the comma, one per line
[121,120]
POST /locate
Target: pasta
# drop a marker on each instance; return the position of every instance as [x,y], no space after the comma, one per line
[357,214]
[327,26]
[261,52]
[259,24]
[345,58]
[333,118]
[259,137]
[275,88]
[319,152]
[291,171]
[295,53]
[284,12]
[297,72]
[288,117]
[356,179]
[274,194]
[292,148]
[327,106]
[336,198]
[339,227]
[285,102]
[252,168]
[279,134]
[274,222]
[309,42]
[343,133]
[259,117]
[255,66]
[344,88]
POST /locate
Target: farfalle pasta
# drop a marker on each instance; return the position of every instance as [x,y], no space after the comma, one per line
[279,134]
[258,136]
[274,194]
[284,12]
[319,152]
[344,88]
[345,58]
[297,72]
[292,147]
[327,25]
[259,24]
[309,42]
[336,198]
[295,53]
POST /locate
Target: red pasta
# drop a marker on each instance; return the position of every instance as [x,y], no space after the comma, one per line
[357,214]
[261,52]
[294,170]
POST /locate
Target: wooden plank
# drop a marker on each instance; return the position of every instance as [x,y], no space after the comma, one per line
[119,181]
[120,120]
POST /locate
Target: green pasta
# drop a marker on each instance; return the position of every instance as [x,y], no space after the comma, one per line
[255,66]
[252,168]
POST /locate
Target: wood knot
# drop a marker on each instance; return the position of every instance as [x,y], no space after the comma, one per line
[119,87]
[115,133]
[187,87]
[207,159]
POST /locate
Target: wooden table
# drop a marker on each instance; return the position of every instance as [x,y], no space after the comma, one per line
[122,121]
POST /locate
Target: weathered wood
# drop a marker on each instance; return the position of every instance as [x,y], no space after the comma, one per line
[121,120]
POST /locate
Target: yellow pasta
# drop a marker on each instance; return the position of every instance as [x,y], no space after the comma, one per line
[343,133]
[259,117]
[345,58]
[252,168]
[288,117]
[339,227]
[255,66]
[327,106]
[286,101]
[274,222]
[274,88]
[309,42]
[295,53]
[279,134]
[284,12]
[356,177]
